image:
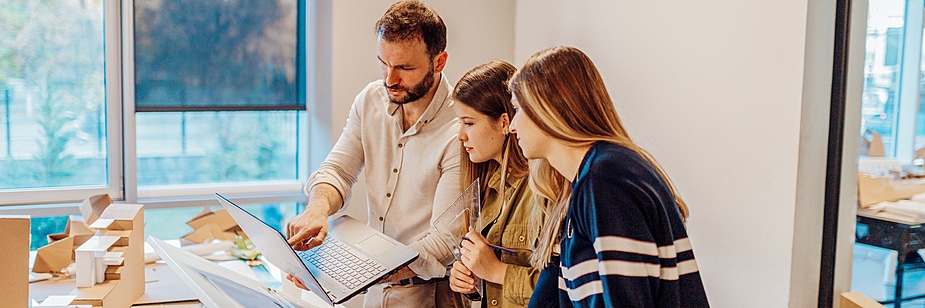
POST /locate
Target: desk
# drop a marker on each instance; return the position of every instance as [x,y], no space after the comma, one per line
[163,288]
[904,238]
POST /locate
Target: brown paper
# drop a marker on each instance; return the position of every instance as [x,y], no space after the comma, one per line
[208,226]
[857,300]
[93,206]
[14,261]
[125,282]
[873,189]
[55,256]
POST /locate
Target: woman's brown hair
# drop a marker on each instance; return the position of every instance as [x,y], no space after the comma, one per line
[484,88]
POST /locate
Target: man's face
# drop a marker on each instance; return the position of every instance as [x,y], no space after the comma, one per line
[407,70]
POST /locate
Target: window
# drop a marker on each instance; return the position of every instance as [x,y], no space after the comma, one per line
[274,214]
[213,147]
[217,87]
[891,108]
[54,108]
[161,103]
[216,55]
[893,78]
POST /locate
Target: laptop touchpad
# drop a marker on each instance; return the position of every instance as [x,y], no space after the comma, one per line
[375,245]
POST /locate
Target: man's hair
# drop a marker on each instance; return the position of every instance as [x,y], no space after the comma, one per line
[412,20]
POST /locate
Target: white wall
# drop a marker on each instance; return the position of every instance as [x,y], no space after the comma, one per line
[732,98]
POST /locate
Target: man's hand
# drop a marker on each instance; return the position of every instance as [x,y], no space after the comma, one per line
[480,259]
[296,281]
[309,228]
[461,279]
[403,273]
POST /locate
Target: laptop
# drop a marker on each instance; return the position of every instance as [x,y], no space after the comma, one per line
[352,258]
[217,287]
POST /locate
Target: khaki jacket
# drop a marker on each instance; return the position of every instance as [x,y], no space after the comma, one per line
[510,230]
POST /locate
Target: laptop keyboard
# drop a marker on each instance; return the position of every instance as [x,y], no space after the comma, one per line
[335,259]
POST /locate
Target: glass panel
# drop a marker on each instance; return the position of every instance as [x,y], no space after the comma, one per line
[168,223]
[919,141]
[52,94]
[216,147]
[882,68]
[171,223]
[214,54]
[43,226]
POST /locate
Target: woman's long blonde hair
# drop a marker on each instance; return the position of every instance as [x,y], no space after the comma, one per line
[561,91]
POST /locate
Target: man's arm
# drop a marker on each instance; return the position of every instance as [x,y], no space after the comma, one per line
[309,228]
[431,248]
[328,188]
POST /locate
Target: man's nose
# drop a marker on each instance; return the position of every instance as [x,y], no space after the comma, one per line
[392,78]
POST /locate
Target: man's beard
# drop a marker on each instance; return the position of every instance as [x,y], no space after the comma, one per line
[416,92]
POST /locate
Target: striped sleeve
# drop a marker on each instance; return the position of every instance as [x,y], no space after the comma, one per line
[625,245]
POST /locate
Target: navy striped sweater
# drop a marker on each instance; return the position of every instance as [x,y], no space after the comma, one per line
[624,243]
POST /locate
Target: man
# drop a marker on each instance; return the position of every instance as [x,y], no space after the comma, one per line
[402,129]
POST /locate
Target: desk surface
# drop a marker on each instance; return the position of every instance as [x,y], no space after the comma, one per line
[899,236]
[161,287]
[164,289]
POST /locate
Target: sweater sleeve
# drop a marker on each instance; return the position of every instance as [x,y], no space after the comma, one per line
[625,244]
[623,209]
[625,253]
[343,164]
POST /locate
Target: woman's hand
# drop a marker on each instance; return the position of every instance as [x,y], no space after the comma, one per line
[480,259]
[461,279]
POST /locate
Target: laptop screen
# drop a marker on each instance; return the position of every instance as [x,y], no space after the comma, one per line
[274,247]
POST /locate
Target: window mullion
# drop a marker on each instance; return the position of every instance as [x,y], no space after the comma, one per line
[130,168]
[909,82]
[114,123]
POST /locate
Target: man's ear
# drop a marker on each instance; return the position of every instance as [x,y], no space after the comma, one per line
[439,62]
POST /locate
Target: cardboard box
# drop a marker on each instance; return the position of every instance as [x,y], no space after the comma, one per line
[208,226]
[92,207]
[75,228]
[14,257]
[125,280]
[858,300]
[54,257]
[873,189]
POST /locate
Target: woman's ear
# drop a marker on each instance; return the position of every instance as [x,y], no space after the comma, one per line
[505,123]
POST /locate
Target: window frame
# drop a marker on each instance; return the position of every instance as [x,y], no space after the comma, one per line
[314,48]
[907,107]
[114,122]
[166,196]
[908,84]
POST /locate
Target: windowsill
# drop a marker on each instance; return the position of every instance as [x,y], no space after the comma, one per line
[174,196]
[204,194]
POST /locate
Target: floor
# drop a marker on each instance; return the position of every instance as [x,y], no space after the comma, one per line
[873,274]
